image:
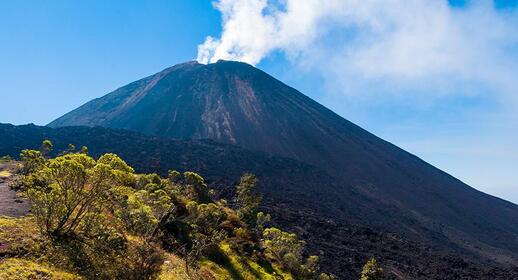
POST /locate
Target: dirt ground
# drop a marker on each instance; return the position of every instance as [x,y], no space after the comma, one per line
[10,204]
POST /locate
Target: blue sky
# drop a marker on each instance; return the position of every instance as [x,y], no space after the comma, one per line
[434,77]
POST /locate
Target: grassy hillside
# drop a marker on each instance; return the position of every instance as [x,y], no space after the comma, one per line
[23,257]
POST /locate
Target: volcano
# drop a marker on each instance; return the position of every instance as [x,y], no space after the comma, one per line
[374,182]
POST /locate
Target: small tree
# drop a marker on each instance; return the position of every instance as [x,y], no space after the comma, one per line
[262,220]
[46,147]
[284,247]
[133,211]
[173,175]
[372,271]
[87,206]
[32,161]
[311,268]
[287,249]
[248,201]
[205,232]
[196,187]
[71,194]
[84,150]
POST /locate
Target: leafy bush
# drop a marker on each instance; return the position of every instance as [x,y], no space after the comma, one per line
[284,247]
[372,271]
[248,201]
[70,196]
[86,207]
[195,187]
[287,250]
[32,161]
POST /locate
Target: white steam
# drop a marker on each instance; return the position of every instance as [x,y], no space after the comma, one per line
[389,41]
[254,28]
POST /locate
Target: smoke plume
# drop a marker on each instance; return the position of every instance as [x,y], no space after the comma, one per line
[392,40]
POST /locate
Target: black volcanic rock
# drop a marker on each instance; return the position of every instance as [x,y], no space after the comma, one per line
[237,104]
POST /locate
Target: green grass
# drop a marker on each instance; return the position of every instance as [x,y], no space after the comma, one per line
[19,237]
[238,268]
[22,245]
[20,269]
[234,267]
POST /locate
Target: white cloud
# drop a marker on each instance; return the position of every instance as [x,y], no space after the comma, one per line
[393,43]
[253,29]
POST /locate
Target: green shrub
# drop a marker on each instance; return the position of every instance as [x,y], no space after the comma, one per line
[32,160]
[85,207]
[70,195]
[248,201]
[284,247]
[372,271]
[287,249]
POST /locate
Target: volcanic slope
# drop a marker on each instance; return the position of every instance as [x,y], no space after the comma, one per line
[235,103]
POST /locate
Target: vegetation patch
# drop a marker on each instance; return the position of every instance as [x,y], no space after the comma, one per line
[19,237]
[235,266]
[19,269]
[99,219]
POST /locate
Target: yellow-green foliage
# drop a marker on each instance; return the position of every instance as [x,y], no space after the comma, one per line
[240,267]
[77,207]
[19,269]
[173,268]
[19,237]
[68,194]
[372,271]
[248,200]
[100,220]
